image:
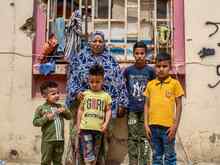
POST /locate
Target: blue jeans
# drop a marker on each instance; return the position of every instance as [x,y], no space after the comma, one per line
[91,143]
[163,149]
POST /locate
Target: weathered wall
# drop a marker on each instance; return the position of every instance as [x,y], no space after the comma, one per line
[199,130]
[17,106]
[200,125]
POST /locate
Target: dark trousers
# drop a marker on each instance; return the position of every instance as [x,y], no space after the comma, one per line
[52,152]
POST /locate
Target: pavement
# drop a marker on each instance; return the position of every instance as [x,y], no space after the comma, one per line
[179,163]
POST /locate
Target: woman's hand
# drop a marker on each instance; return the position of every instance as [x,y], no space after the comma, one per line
[121,112]
[80,96]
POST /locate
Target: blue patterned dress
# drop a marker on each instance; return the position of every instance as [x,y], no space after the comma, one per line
[114,83]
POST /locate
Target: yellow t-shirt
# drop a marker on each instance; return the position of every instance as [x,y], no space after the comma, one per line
[161,98]
[94,105]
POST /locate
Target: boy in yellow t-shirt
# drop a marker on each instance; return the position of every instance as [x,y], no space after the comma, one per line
[93,116]
[162,110]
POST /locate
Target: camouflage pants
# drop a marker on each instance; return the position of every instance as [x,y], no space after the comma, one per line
[139,150]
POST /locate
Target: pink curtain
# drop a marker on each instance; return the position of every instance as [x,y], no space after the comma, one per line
[179,45]
[40,36]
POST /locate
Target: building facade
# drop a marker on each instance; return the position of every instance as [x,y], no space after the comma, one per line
[198,138]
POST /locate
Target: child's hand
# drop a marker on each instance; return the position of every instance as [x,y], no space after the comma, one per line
[171,132]
[78,130]
[61,110]
[104,127]
[50,115]
[148,132]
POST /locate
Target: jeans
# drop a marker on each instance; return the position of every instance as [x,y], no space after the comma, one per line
[163,149]
[91,143]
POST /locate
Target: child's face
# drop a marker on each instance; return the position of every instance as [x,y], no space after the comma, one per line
[95,82]
[139,55]
[162,69]
[52,95]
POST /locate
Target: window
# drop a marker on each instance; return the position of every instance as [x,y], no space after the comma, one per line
[57,9]
[126,21]
[101,9]
[123,22]
[162,9]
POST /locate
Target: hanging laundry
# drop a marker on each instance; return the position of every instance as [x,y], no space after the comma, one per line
[73,35]
[49,49]
[49,56]
[59,28]
[47,68]
[163,34]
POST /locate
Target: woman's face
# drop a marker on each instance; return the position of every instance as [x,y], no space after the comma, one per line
[97,44]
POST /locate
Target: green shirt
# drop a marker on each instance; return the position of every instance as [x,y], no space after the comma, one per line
[52,130]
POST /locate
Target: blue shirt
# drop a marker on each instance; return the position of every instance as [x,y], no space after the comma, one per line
[114,83]
[136,81]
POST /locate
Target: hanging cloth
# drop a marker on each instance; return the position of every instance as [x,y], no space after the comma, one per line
[73,35]
[59,29]
[163,34]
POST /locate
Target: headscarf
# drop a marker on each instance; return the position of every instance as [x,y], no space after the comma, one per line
[97,33]
[92,37]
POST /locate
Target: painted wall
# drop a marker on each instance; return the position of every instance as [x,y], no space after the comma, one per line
[200,127]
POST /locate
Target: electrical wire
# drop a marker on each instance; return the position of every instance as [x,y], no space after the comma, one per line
[28,55]
[54,56]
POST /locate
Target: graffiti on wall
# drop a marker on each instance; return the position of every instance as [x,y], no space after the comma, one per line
[206,52]
[218,74]
[216,24]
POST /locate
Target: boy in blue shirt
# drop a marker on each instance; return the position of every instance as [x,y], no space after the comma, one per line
[137,76]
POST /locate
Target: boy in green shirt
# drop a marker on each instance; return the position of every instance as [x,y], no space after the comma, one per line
[50,117]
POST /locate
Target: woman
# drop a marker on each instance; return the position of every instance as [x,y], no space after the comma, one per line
[114,83]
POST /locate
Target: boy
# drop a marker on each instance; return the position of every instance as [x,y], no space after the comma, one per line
[163,97]
[49,117]
[137,76]
[93,116]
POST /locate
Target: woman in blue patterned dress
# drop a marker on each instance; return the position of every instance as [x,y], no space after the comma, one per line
[114,83]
